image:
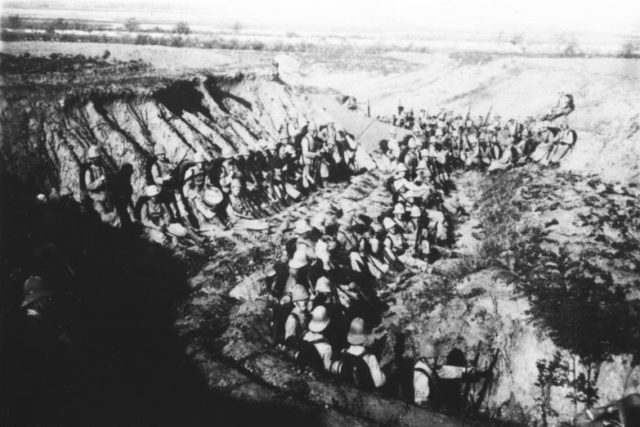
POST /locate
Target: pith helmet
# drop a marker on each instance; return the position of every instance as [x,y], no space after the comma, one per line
[152,190]
[93,152]
[319,319]
[299,293]
[34,289]
[323,285]
[159,149]
[357,332]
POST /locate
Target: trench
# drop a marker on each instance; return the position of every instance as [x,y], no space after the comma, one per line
[182,338]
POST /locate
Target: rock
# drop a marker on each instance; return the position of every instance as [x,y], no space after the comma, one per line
[250,288]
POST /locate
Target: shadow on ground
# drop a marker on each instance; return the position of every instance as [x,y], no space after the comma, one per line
[110,356]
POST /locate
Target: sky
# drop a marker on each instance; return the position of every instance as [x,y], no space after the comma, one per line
[608,16]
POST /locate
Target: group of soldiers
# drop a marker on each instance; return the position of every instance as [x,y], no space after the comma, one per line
[325,293]
[445,140]
[326,298]
[184,201]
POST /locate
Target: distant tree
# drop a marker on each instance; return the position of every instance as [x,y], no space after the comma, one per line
[237,26]
[132,25]
[106,54]
[182,28]
[60,24]
[14,21]
[630,49]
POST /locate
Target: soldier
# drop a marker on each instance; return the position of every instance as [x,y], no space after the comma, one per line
[315,350]
[161,171]
[94,179]
[157,220]
[296,323]
[309,155]
[355,365]
[562,143]
[194,190]
[563,107]
[327,296]
[441,386]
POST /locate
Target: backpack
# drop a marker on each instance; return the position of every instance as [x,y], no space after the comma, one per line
[388,185]
[281,313]
[356,371]
[308,355]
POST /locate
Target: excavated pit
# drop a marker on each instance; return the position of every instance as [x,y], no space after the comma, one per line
[190,332]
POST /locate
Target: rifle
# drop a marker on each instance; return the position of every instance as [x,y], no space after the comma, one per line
[468,113]
[485,387]
[486,119]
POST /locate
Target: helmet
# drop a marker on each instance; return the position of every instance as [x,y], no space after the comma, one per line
[212,196]
[323,285]
[177,229]
[317,221]
[93,152]
[159,149]
[199,157]
[227,153]
[34,289]
[388,223]
[398,208]
[319,319]
[301,227]
[401,168]
[151,190]
[299,293]
[357,332]
[299,259]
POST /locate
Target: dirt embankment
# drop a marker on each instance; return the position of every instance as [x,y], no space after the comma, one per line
[48,124]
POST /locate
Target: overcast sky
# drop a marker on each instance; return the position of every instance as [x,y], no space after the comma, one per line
[611,16]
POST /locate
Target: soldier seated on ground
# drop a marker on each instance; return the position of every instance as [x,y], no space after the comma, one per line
[563,107]
[355,365]
[623,413]
[156,218]
[327,296]
[298,318]
[564,141]
[315,350]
